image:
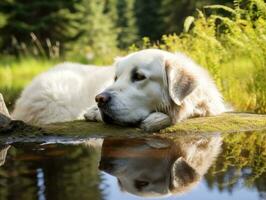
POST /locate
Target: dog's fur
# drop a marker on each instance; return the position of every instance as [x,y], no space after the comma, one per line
[62,94]
[158,167]
[151,88]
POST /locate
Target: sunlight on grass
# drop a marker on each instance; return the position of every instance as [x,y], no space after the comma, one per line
[16,74]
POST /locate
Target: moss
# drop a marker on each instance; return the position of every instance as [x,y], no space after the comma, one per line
[226,123]
[88,128]
[18,131]
[229,122]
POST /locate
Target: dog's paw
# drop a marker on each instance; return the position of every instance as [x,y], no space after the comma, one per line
[155,121]
[93,114]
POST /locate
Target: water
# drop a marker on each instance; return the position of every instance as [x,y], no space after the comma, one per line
[228,166]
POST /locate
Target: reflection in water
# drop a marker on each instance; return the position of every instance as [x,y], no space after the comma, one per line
[242,162]
[51,171]
[40,184]
[150,166]
[156,167]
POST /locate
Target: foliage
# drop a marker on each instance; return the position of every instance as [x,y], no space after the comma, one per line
[126,23]
[84,26]
[99,36]
[16,73]
[148,10]
[54,20]
[231,47]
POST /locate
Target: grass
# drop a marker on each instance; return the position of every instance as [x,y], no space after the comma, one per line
[231,46]
[15,74]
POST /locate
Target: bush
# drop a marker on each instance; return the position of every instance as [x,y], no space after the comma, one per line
[231,46]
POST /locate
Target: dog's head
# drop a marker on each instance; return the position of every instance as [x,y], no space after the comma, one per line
[158,167]
[146,81]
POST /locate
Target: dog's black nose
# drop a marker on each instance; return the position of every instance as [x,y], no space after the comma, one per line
[103,98]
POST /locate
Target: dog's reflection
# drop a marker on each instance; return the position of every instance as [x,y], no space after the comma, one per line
[156,166]
[152,166]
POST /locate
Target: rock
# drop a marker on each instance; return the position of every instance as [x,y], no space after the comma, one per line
[3,108]
[4,114]
[13,130]
[9,126]
[225,123]
[3,152]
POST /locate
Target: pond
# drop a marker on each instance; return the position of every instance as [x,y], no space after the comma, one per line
[202,166]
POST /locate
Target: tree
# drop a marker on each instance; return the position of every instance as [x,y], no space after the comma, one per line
[56,20]
[174,12]
[149,19]
[99,33]
[74,24]
[126,23]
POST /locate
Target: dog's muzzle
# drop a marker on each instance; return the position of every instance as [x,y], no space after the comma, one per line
[103,100]
[105,103]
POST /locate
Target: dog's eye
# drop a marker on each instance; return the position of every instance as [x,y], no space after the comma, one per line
[115,78]
[138,77]
[139,184]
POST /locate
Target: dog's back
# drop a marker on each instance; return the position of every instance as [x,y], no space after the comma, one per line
[61,94]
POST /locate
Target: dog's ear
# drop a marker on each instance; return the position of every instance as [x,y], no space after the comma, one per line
[182,174]
[180,81]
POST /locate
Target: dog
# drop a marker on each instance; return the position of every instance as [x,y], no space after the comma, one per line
[150,88]
[156,167]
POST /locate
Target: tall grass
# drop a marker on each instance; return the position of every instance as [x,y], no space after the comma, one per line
[36,48]
[231,44]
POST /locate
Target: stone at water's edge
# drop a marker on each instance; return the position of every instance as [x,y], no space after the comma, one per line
[3,108]
[225,123]
[4,114]
[228,122]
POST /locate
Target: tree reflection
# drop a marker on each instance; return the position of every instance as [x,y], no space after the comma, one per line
[69,172]
[242,162]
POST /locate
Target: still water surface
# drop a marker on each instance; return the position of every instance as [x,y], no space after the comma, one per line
[229,166]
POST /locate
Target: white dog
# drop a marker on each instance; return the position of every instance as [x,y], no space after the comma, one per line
[151,88]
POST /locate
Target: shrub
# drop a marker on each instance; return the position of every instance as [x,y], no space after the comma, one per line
[230,43]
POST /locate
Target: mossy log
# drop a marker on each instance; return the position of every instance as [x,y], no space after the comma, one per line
[228,122]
